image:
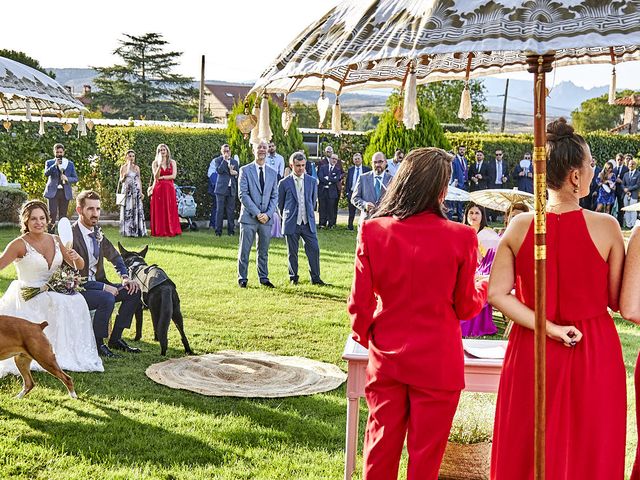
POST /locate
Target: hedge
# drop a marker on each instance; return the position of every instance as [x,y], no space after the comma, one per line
[11,199]
[192,150]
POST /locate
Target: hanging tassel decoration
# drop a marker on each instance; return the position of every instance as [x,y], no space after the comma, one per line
[28,108]
[323,106]
[265,129]
[41,129]
[336,119]
[82,126]
[612,87]
[465,103]
[410,113]
[254,140]
[287,116]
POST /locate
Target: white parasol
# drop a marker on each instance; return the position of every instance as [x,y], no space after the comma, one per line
[501,199]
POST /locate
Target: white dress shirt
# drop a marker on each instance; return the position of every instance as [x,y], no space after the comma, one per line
[276,162]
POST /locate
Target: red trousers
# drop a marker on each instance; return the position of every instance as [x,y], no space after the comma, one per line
[396,411]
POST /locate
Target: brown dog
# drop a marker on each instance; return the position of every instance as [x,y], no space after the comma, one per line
[26,341]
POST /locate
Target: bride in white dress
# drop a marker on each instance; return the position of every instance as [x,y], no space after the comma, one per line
[36,255]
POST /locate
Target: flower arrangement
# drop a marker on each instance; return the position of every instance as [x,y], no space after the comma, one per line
[65,279]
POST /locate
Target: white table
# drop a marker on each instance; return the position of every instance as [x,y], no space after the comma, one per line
[480,375]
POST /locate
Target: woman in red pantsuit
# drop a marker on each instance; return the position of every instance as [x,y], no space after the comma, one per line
[164,206]
[414,281]
[630,310]
[586,380]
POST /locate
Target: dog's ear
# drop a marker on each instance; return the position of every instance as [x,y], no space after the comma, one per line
[143,252]
[121,249]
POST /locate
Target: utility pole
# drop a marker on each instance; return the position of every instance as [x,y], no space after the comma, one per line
[201,102]
[504,106]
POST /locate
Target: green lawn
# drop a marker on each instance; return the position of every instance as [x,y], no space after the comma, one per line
[125,426]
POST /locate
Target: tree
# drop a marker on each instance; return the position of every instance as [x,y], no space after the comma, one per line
[26,60]
[144,86]
[368,121]
[286,143]
[391,134]
[596,114]
[308,117]
[443,98]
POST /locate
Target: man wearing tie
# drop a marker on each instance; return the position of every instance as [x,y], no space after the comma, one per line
[297,195]
[329,177]
[226,189]
[353,174]
[60,173]
[498,177]
[479,173]
[620,171]
[371,187]
[459,178]
[258,193]
[630,189]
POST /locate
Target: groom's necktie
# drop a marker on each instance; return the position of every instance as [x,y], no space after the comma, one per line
[95,244]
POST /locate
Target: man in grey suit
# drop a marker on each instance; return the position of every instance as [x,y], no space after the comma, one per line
[60,173]
[226,189]
[297,196]
[630,184]
[371,186]
[258,195]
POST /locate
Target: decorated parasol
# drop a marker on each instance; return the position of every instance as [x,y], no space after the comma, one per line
[501,199]
[455,194]
[401,43]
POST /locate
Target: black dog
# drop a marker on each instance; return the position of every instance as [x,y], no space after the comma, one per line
[159,294]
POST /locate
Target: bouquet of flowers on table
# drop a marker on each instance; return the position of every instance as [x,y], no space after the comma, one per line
[65,279]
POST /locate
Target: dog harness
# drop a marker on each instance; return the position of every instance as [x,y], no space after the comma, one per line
[149,277]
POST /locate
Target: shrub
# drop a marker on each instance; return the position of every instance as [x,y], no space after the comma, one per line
[11,199]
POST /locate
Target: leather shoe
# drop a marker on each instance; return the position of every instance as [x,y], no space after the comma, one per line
[320,283]
[122,345]
[104,351]
[267,284]
[293,281]
[242,284]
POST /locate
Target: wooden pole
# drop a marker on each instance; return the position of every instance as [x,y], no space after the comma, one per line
[539,65]
[201,99]
[504,107]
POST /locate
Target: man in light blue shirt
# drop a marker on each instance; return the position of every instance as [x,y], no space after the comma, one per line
[393,164]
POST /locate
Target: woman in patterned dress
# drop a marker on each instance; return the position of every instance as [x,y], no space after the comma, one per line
[132,212]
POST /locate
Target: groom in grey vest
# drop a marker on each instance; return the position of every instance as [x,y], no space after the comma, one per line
[258,193]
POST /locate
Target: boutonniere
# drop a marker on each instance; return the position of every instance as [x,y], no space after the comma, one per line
[99,234]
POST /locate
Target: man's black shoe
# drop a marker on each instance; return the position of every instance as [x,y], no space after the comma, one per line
[293,281]
[104,351]
[320,283]
[350,227]
[267,284]
[122,345]
[242,283]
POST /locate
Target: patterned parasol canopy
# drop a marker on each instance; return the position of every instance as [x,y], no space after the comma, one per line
[23,88]
[370,43]
[502,198]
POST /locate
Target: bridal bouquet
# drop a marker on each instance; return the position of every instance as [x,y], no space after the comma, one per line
[65,279]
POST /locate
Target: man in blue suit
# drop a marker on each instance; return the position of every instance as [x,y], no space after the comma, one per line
[297,196]
[226,189]
[329,177]
[459,177]
[258,195]
[523,174]
[353,174]
[60,173]
[371,187]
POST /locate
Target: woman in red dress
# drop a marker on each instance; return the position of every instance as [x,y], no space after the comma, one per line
[630,310]
[164,206]
[409,322]
[586,380]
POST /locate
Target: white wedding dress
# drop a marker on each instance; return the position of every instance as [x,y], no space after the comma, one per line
[70,329]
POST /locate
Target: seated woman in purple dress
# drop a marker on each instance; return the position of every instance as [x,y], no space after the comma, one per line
[475,216]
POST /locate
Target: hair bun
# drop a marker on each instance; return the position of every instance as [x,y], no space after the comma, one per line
[559,130]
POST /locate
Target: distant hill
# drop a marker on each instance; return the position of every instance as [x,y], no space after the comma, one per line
[563,99]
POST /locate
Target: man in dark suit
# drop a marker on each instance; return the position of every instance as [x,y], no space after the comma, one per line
[297,196]
[226,189]
[620,170]
[329,177]
[60,173]
[353,174]
[459,178]
[371,187]
[479,173]
[100,294]
[258,193]
[630,184]
[498,171]
[523,174]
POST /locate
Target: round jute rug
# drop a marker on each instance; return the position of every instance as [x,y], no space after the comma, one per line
[247,374]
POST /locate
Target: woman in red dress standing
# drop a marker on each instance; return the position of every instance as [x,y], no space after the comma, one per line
[630,310]
[164,206]
[409,322]
[586,380]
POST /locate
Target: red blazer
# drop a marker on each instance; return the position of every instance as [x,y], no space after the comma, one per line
[414,281]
